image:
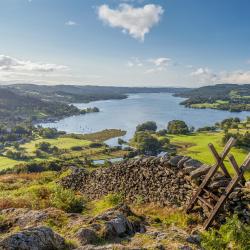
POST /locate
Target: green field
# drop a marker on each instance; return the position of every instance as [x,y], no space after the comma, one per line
[214,105]
[196,146]
[61,143]
[65,143]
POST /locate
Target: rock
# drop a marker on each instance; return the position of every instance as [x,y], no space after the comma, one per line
[188,170]
[194,239]
[40,238]
[247,184]
[182,161]
[120,226]
[175,160]
[86,236]
[116,223]
[192,163]
[203,170]
[185,248]
[219,184]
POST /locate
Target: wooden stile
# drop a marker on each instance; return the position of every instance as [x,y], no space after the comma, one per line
[238,179]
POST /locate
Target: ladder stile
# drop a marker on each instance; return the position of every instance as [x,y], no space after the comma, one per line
[236,180]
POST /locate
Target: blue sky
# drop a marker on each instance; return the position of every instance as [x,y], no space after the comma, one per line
[125,43]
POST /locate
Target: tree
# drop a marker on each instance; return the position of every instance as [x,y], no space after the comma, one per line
[146,143]
[147,126]
[177,127]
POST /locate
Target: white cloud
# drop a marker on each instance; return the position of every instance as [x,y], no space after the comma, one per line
[200,72]
[159,64]
[161,61]
[71,23]
[8,63]
[136,21]
[135,62]
[238,77]
[206,75]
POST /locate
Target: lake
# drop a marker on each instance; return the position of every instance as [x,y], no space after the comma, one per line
[126,114]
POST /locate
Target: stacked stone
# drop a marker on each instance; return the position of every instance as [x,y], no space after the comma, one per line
[155,179]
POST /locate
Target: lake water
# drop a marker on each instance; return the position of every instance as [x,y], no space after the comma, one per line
[137,108]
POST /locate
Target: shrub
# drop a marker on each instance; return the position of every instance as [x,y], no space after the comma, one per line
[95,145]
[66,200]
[76,148]
[207,128]
[232,235]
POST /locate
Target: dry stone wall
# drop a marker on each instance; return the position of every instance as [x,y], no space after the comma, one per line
[154,179]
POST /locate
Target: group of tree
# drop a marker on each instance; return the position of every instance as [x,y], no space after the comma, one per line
[16,133]
[229,123]
[243,140]
[173,127]
[44,148]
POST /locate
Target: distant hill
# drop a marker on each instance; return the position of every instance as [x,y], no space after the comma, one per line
[30,102]
[15,107]
[232,97]
[74,93]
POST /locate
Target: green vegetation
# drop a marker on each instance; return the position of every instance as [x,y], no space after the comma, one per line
[232,235]
[99,206]
[66,200]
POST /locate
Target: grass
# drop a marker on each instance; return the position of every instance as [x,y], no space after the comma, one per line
[8,163]
[165,216]
[196,146]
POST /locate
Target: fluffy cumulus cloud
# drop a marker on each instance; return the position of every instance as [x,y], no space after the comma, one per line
[135,21]
[8,63]
[238,76]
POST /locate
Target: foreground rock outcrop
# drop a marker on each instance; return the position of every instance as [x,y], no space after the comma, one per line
[110,226]
[40,238]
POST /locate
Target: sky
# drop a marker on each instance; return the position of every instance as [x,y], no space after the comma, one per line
[184,43]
